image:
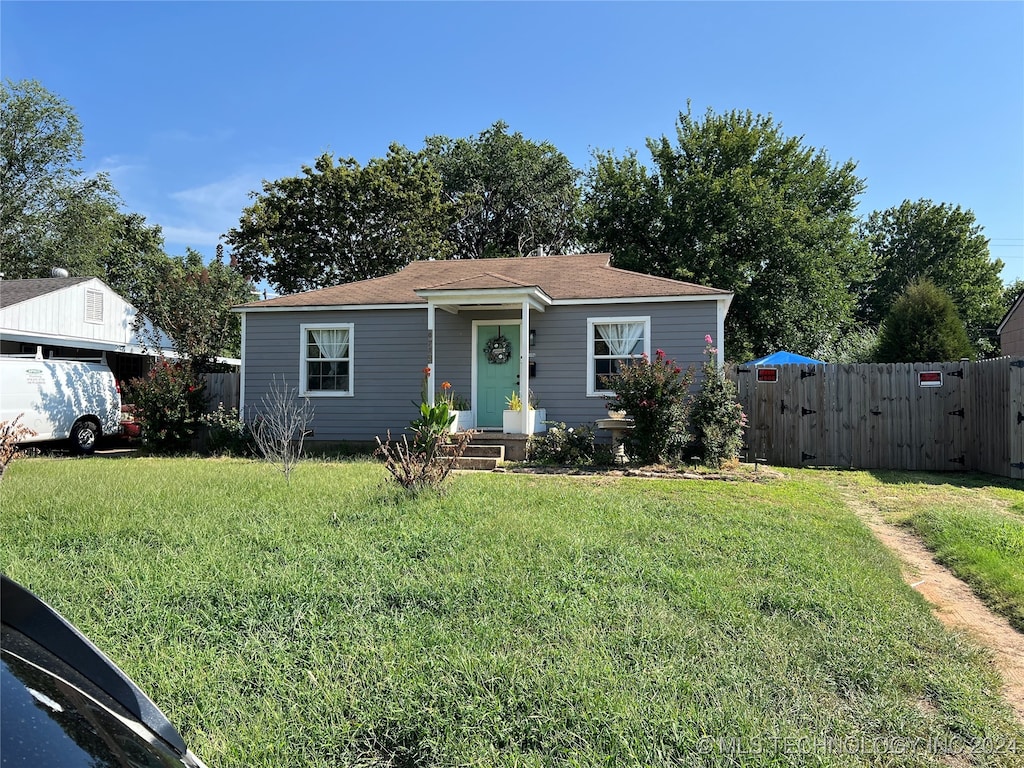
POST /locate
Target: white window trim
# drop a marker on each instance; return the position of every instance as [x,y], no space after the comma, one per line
[592,322]
[303,361]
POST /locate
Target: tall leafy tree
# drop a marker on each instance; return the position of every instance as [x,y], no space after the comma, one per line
[736,204]
[191,302]
[339,222]
[511,196]
[623,212]
[132,257]
[922,327]
[52,213]
[942,243]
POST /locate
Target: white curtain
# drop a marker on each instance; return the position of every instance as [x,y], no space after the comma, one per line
[621,337]
[333,342]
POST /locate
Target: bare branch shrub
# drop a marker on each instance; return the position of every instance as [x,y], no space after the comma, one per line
[416,469]
[281,425]
[11,433]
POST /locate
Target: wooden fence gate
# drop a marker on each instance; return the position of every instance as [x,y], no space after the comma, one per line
[920,416]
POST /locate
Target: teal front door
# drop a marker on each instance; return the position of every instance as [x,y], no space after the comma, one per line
[495,380]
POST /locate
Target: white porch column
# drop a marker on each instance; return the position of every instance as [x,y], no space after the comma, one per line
[241,374]
[430,352]
[722,306]
[524,370]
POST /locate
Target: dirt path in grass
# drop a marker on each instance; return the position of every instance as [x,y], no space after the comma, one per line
[953,602]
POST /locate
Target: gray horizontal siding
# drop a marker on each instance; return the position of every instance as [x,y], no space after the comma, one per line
[390,349]
[561,350]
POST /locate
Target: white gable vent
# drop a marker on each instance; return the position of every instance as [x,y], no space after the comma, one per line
[93,306]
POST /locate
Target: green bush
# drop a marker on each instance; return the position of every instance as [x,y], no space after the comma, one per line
[564,445]
[718,419]
[655,394]
[169,402]
[227,434]
[923,327]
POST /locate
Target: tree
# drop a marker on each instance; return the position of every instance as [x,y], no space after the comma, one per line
[510,195]
[337,223]
[1011,293]
[944,244]
[923,327]
[623,211]
[52,214]
[736,204]
[191,302]
[132,258]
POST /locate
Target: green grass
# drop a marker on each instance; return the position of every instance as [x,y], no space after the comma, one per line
[973,523]
[515,620]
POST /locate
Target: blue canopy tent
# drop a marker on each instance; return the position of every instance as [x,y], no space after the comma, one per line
[782,358]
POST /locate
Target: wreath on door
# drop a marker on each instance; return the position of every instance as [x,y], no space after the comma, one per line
[498,350]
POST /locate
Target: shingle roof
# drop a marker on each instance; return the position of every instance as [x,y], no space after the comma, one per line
[581,276]
[16,291]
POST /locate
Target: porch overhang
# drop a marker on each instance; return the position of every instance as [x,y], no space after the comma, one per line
[455,299]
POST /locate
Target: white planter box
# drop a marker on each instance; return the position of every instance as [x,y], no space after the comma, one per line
[511,421]
[464,421]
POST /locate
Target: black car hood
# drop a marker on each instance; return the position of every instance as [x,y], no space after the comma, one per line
[67,654]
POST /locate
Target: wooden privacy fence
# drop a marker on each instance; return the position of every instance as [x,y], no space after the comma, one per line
[222,388]
[923,416]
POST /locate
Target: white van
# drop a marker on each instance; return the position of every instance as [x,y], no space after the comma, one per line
[60,399]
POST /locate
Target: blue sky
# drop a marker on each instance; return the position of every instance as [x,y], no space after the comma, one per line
[188,105]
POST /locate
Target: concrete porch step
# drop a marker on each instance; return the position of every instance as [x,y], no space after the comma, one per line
[481,457]
[474,451]
[477,463]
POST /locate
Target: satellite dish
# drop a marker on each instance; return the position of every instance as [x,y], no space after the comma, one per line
[58,272]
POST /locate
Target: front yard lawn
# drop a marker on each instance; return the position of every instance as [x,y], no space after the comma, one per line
[973,523]
[515,621]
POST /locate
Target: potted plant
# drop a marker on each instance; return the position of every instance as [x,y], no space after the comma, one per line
[459,407]
[465,419]
[512,416]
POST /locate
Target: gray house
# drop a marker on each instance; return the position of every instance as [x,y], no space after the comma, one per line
[547,328]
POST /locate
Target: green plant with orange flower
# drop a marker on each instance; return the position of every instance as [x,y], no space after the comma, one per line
[455,402]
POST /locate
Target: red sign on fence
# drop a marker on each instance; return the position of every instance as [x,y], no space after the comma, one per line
[929,378]
[770,375]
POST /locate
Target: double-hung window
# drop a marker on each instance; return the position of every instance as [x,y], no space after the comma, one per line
[326,359]
[612,342]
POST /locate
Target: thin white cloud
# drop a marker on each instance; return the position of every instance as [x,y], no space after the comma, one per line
[198,216]
[123,171]
[192,237]
[231,192]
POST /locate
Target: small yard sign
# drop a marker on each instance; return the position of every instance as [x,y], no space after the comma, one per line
[929,378]
[770,375]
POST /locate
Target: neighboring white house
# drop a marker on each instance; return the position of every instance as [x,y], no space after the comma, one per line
[79,317]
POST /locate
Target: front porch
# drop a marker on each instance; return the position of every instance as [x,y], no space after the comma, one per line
[499,353]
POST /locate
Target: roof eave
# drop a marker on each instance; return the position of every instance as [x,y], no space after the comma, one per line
[476,297]
[1009,313]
